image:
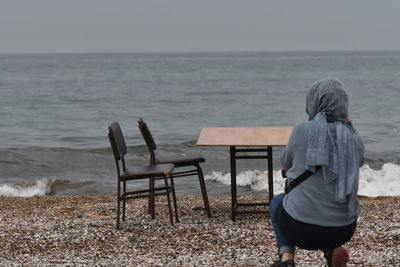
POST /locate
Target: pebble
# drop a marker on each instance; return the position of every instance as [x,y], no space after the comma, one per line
[80,230]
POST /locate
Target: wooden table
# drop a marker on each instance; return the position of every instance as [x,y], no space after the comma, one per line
[254,139]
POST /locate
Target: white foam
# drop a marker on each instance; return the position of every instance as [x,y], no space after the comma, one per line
[383,182]
[39,187]
[256,180]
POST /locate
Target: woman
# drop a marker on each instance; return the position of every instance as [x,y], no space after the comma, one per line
[321,212]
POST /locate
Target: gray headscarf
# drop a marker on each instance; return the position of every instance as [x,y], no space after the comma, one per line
[332,140]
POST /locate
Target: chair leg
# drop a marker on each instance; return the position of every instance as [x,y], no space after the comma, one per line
[168,190]
[118,202]
[151,198]
[123,201]
[174,199]
[152,201]
[203,190]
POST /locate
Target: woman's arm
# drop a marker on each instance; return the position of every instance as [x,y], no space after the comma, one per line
[288,152]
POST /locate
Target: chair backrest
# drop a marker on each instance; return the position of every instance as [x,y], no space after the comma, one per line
[148,138]
[117,142]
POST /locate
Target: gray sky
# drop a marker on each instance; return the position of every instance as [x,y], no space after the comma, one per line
[197,25]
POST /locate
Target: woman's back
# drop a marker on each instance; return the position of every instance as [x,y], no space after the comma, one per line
[313,201]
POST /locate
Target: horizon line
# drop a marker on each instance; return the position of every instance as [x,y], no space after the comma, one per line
[200,51]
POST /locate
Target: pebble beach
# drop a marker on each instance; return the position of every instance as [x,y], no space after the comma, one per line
[80,231]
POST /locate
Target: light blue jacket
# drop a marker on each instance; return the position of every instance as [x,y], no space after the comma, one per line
[313,201]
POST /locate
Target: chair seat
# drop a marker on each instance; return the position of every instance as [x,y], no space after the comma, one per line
[148,171]
[180,160]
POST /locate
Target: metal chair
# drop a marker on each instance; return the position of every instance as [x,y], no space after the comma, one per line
[151,172]
[178,161]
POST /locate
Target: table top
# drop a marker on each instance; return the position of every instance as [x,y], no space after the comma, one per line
[244,136]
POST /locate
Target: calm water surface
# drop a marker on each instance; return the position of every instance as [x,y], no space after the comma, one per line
[55,108]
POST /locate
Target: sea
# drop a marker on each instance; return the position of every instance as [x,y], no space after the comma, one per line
[55,110]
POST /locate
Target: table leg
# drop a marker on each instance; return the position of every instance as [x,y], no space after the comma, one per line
[233,181]
[270,175]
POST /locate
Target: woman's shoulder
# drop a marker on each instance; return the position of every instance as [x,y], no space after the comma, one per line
[299,132]
[301,127]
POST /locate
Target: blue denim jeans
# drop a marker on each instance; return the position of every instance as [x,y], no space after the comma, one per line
[282,241]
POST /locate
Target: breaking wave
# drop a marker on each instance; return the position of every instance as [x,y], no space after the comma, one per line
[382,182]
[37,188]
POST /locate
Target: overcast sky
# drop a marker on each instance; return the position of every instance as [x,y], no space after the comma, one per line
[197,25]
